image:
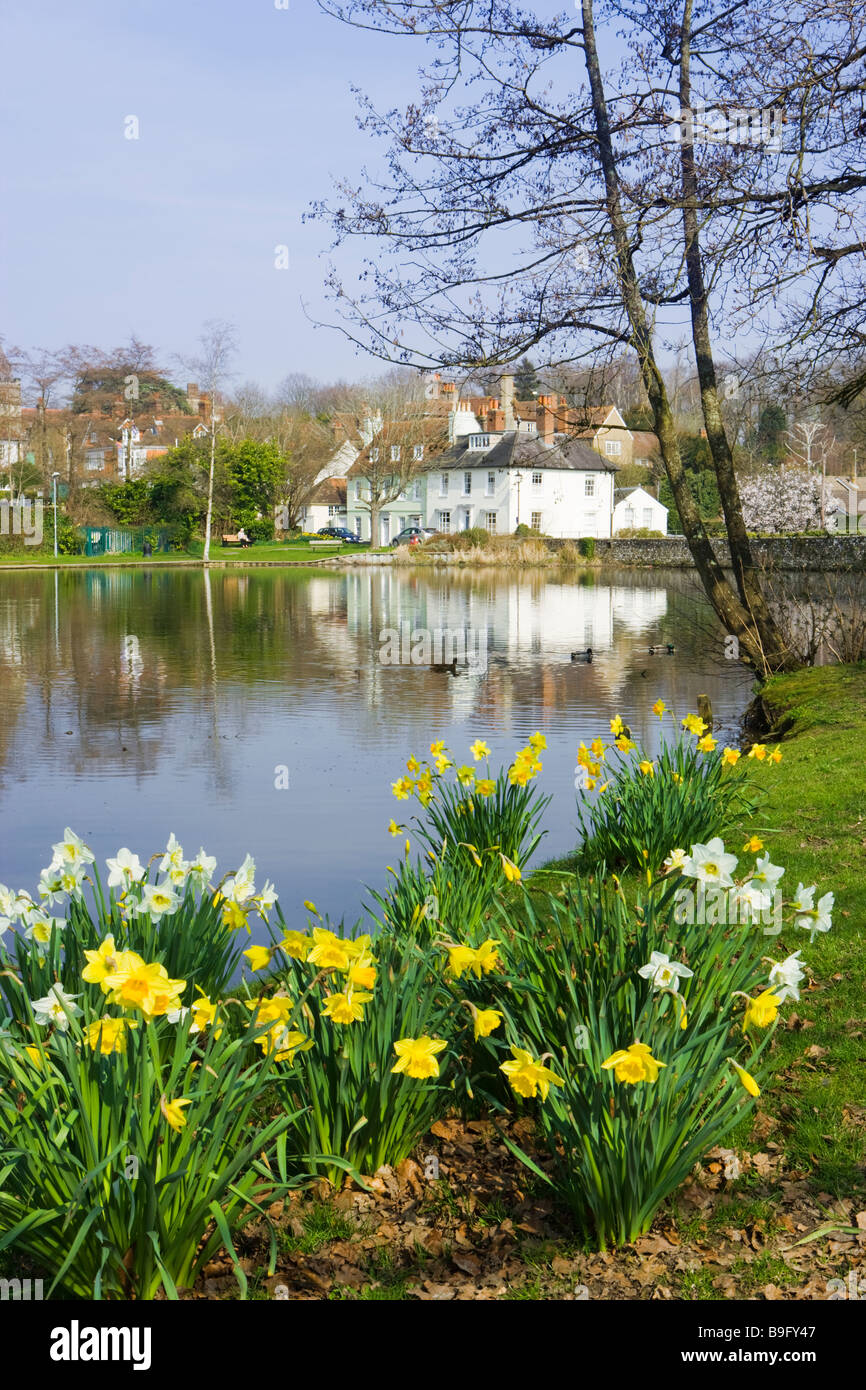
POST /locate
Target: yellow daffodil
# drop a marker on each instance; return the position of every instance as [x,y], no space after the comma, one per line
[35,1056]
[762,1010]
[328,951]
[776,755]
[473,851]
[108,1035]
[466,775]
[616,726]
[730,757]
[296,944]
[136,985]
[676,778]
[479,750]
[402,788]
[443,763]
[485,1022]
[347,1007]
[526,1075]
[694,724]
[659,708]
[173,1112]
[311,907]
[436,748]
[234,916]
[511,871]
[258,957]
[624,744]
[393,828]
[277,1009]
[417,1056]
[537,742]
[707,743]
[757,750]
[633,1064]
[597,747]
[203,1012]
[283,1043]
[412,764]
[753,845]
[486,959]
[748,1081]
[101,963]
[647,768]
[460,959]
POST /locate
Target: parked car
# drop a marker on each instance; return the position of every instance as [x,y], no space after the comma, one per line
[412,535]
[340,533]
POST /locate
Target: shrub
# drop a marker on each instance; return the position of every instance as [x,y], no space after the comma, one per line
[523,532]
[638,533]
[689,792]
[587,547]
[568,554]
[648,1053]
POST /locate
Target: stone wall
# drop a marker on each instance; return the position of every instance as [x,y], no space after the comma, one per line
[805,553]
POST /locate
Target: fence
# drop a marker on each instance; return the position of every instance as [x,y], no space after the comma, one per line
[116,540]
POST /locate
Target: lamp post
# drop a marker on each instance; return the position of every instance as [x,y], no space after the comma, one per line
[54,477]
[518,478]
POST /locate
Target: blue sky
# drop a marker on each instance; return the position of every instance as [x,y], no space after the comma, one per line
[245,114]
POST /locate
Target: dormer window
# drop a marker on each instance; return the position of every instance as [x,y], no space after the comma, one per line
[479,441]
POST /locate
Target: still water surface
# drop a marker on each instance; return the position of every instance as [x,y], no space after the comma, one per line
[137,702]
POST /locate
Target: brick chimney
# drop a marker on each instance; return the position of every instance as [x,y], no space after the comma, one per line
[506,391]
[448,388]
[544,416]
[192,395]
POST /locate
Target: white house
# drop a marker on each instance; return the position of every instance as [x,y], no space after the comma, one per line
[636,509]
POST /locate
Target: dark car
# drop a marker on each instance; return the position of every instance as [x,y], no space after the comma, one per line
[412,535]
[340,533]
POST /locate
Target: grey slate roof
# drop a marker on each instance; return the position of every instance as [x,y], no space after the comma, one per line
[515,450]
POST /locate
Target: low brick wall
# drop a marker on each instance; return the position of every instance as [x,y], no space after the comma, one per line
[816,553]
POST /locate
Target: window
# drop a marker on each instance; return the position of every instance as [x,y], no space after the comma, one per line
[443,484]
[395,453]
[589,486]
[444,521]
[467,484]
[94,465]
[536,479]
[629,518]
[418,452]
[374,455]
[358,490]
[491,484]
[479,441]
[357,521]
[536,521]
[333,510]
[491,521]
[648,517]
[612,446]
[467,518]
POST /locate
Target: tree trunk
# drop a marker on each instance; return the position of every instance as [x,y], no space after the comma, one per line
[208,517]
[727,605]
[746,575]
[374,522]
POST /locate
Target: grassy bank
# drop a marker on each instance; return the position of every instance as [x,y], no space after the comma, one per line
[270,553]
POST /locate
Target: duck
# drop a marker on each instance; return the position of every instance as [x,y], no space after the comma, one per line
[583,656]
[450,666]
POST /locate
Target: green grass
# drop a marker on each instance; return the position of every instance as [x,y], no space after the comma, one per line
[269,552]
[323,1222]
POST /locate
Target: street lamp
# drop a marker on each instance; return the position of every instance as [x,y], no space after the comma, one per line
[54,477]
[518,478]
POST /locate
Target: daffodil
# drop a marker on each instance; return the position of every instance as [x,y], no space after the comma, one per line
[810,918]
[258,957]
[510,869]
[203,1013]
[172,1111]
[126,868]
[417,1056]
[663,972]
[597,747]
[72,850]
[753,845]
[647,768]
[137,985]
[757,750]
[633,1064]
[710,864]
[402,788]
[328,951]
[694,724]
[362,971]
[485,1022]
[108,1035]
[346,1007]
[676,778]
[437,747]
[761,1011]
[625,744]
[393,828]
[706,744]
[730,757]
[460,959]
[675,860]
[776,755]
[35,1056]
[659,708]
[479,750]
[616,726]
[526,1076]
[158,900]
[748,1081]
[466,775]
[486,959]
[785,977]
[56,1007]
[537,742]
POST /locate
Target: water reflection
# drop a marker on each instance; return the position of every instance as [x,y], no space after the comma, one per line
[137,702]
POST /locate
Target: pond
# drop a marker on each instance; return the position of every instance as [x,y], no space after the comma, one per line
[269,710]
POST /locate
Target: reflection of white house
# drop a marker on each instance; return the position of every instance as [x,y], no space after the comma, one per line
[635,508]
[637,609]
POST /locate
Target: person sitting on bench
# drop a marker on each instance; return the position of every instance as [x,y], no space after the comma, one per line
[243,537]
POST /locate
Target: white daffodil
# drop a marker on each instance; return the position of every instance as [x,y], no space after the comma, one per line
[710,864]
[785,976]
[173,863]
[124,869]
[675,860]
[203,868]
[241,886]
[51,884]
[11,906]
[39,926]
[267,898]
[804,898]
[158,900]
[71,878]
[766,875]
[663,972]
[178,1016]
[71,851]
[814,919]
[752,900]
[56,1007]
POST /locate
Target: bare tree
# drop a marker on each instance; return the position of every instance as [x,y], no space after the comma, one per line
[213,369]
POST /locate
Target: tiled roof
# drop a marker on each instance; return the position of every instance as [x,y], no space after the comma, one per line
[517,450]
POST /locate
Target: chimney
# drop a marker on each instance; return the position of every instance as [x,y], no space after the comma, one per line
[506,391]
[448,388]
[192,395]
[545,424]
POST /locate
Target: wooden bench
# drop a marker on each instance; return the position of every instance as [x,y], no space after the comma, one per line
[326,540]
[236,540]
